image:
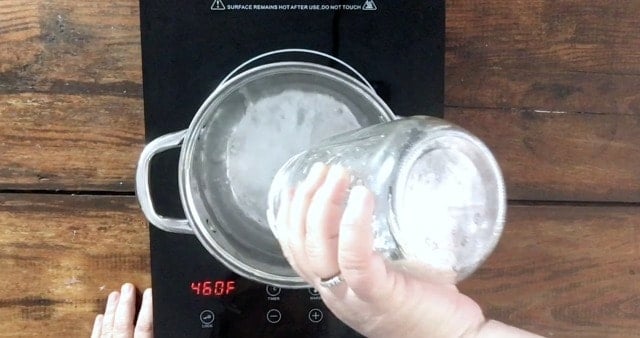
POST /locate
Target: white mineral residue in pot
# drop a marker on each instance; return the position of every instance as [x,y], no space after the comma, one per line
[272,130]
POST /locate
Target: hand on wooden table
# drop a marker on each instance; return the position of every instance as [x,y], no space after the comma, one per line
[119,318]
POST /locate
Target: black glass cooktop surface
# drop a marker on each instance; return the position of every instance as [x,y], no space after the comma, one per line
[188,47]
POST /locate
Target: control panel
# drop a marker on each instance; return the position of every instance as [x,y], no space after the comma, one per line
[196,296]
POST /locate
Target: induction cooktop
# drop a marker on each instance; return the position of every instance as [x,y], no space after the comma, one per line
[188,47]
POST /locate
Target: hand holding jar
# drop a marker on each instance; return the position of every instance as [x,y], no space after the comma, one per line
[326,233]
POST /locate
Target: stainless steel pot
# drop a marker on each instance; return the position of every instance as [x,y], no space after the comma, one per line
[244,131]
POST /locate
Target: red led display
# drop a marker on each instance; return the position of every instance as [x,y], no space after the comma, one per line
[213,288]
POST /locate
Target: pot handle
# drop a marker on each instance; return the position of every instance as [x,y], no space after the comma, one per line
[160,144]
[298,50]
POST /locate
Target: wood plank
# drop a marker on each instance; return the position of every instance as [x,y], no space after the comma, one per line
[565,271]
[577,56]
[558,270]
[467,86]
[71,115]
[72,142]
[560,156]
[68,47]
[544,156]
[575,35]
[76,67]
[61,255]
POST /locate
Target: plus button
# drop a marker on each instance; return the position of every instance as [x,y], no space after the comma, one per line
[315,315]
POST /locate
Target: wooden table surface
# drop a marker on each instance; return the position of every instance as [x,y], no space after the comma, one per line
[553,87]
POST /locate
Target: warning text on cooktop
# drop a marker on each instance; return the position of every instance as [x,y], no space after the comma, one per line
[223,5]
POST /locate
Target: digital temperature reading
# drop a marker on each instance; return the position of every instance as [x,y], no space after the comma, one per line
[213,288]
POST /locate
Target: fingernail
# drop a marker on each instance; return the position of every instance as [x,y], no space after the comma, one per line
[113,297]
[336,173]
[127,289]
[358,194]
[316,169]
[146,296]
[357,198]
[285,196]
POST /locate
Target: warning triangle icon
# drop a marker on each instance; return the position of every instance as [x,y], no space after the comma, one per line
[369,5]
[218,5]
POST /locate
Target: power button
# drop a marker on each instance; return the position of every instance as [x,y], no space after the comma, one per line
[206,318]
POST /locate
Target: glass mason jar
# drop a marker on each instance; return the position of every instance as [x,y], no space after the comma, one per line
[439,193]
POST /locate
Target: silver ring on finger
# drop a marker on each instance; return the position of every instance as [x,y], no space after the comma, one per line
[331,281]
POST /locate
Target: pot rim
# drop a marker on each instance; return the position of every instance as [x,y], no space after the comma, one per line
[191,139]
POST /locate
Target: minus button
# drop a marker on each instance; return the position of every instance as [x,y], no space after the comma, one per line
[273,316]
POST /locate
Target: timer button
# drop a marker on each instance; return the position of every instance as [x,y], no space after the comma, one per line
[273,290]
[315,315]
[273,316]
[207,317]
